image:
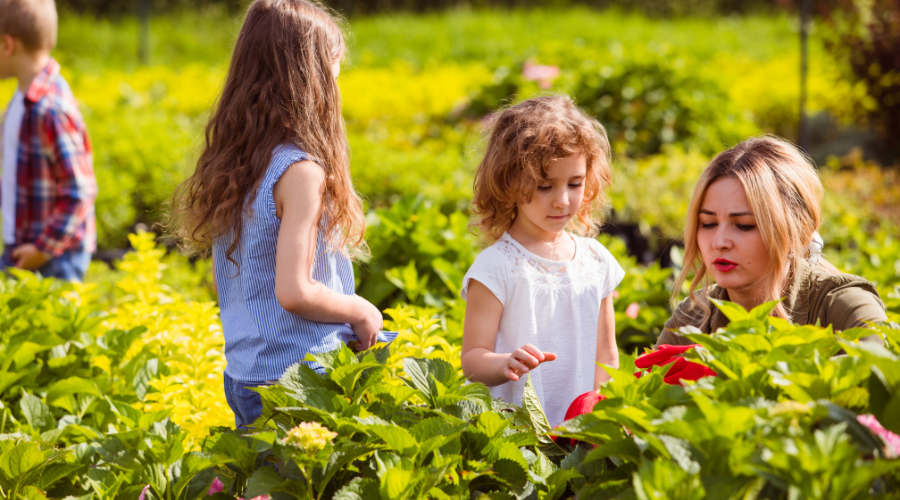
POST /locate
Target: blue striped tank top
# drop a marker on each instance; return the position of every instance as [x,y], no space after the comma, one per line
[262,339]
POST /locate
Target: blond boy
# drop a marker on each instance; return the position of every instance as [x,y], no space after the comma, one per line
[48,188]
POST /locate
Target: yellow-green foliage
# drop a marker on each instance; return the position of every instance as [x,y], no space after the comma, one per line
[185,336]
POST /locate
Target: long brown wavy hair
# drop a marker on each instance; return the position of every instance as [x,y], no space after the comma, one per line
[524,139]
[783,191]
[279,90]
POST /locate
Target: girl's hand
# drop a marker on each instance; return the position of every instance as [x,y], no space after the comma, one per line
[525,359]
[368,325]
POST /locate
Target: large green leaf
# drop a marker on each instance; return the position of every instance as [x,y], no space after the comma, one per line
[532,406]
[358,489]
[557,483]
[19,460]
[511,471]
[154,473]
[36,412]
[731,310]
[58,471]
[397,438]
[7,379]
[396,484]
[71,385]
[144,376]
[263,481]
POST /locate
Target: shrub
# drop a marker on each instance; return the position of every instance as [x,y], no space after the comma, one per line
[644,102]
[865,38]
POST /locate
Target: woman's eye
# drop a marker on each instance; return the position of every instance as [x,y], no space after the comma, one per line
[544,188]
[708,225]
[576,185]
[746,227]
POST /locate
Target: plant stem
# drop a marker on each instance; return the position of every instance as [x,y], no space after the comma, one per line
[309,485]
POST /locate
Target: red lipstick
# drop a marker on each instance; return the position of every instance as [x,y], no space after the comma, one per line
[724,265]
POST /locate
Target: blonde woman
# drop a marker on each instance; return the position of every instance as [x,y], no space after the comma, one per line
[753,215]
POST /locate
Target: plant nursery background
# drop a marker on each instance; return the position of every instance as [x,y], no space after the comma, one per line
[113,388]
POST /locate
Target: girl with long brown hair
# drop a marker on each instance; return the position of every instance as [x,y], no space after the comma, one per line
[271,194]
[750,223]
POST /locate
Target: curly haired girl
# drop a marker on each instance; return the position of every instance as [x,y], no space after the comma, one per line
[541,293]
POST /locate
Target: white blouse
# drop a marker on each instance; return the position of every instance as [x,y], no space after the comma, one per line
[554,305]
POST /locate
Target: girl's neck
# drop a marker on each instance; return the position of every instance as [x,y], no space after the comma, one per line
[559,246]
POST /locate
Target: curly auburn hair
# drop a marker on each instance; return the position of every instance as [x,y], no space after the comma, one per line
[280,89]
[524,139]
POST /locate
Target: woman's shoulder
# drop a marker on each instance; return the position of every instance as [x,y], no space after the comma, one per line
[691,313]
[688,309]
[821,279]
[843,300]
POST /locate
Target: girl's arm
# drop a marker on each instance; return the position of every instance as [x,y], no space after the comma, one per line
[298,203]
[607,351]
[479,361]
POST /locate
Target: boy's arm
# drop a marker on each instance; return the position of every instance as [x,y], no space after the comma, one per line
[607,351]
[69,152]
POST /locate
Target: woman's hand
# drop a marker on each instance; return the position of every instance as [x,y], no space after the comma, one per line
[525,359]
[368,325]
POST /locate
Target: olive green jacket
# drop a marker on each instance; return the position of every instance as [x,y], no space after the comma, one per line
[814,296]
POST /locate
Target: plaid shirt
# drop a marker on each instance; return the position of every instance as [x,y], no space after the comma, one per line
[55,185]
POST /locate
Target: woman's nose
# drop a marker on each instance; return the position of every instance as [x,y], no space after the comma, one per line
[722,238]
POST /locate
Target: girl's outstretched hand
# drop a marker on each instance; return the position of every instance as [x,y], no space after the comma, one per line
[368,325]
[525,359]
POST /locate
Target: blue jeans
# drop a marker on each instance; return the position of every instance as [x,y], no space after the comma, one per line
[70,266]
[246,404]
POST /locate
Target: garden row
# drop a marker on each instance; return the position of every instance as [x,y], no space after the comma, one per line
[113,390]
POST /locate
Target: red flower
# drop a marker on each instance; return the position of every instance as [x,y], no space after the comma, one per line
[582,404]
[682,369]
[664,355]
[686,370]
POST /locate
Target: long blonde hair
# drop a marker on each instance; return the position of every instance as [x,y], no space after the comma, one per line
[784,193]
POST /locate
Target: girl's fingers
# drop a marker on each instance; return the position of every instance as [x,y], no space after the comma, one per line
[549,356]
[534,351]
[511,374]
[517,365]
[525,358]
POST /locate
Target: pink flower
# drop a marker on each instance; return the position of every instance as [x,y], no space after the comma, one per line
[891,440]
[632,310]
[144,493]
[544,75]
[215,487]
[615,294]
[261,497]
